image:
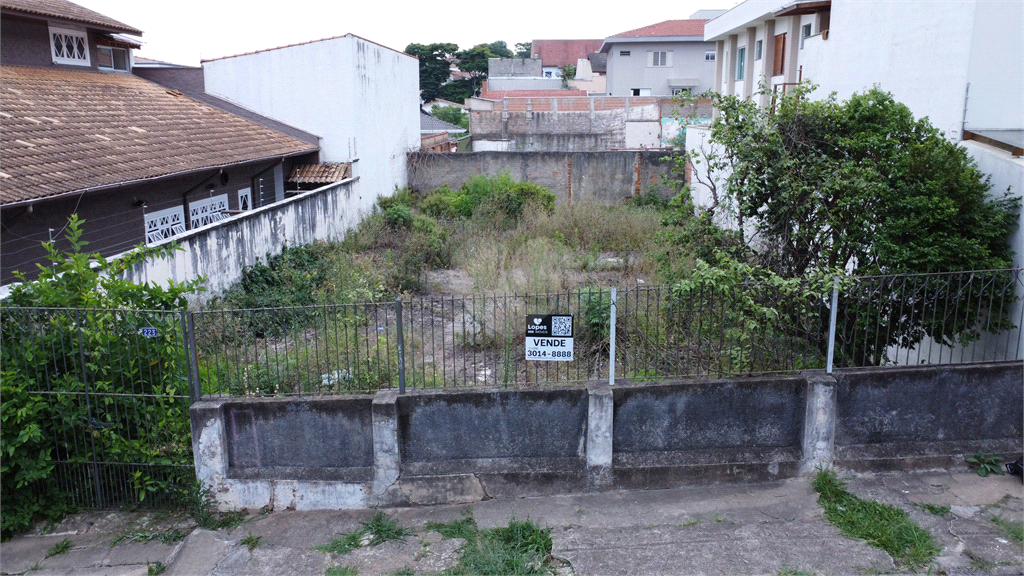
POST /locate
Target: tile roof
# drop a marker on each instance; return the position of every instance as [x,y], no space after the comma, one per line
[499,94]
[667,28]
[68,11]
[325,173]
[562,52]
[67,130]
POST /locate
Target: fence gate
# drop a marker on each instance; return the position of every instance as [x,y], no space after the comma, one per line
[110,392]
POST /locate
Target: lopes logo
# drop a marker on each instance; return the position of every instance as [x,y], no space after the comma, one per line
[537,321]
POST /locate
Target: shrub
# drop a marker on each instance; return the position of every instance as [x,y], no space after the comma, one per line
[398,217]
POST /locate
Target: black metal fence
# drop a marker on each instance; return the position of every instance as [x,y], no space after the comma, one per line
[108,392]
[660,332]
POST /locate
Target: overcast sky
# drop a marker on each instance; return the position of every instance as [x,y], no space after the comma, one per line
[185,31]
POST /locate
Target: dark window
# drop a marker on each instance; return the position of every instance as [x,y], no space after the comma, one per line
[779,66]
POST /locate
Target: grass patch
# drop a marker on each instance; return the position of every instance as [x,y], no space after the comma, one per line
[155,569]
[406,571]
[880,525]
[339,570]
[379,529]
[1014,530]
[251,542]
[522,547]
[933,509]
[791,572]
[199,504]
[59,548]
[164,537]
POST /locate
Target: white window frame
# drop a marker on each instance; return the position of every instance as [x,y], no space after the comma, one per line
[806,31]
[709,56]
[659,58]
[68,33]
[676,91]
[113,67]
[758,49]
[741,64]
[640,91]
[207,210]
[163,224]
[245,199]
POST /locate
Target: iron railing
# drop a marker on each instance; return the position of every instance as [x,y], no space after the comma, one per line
[109,391]
[661,332]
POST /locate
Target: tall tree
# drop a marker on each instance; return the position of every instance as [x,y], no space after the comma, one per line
[434,66]
[524,49]
[500,49]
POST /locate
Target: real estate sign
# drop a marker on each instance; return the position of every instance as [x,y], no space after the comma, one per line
[549,337]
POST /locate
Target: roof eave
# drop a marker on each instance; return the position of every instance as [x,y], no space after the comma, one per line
[154,178]
[87,23]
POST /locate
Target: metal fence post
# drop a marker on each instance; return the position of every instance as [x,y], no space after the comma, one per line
[401,346]
[88,410]
[195,390]
[611,336]
[832,325]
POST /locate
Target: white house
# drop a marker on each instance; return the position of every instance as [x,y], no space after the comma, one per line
[361,98]
[662,59]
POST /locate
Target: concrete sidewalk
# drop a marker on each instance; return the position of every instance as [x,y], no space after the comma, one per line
[757,528]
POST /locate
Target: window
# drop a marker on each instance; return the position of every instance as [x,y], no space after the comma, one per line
[683,91]
[640,91]
[660,59]
[207,210]
[758,49]
[779,64]
[741,57]
[164,224]
[69,47]
[623,52]
[109,58]
[805,32]
[547,74]
[709,56]
[245,199]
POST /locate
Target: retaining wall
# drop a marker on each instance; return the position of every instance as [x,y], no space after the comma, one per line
[456,446]
[579,176]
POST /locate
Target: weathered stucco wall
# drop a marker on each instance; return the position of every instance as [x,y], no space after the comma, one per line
[220,251]
[452,446]
[563,128]
[572,177]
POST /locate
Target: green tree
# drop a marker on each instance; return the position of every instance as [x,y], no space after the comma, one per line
[859,186]
[568,73]
[136,387]
[524,49]
[451,114]
[500,49]
[435,63]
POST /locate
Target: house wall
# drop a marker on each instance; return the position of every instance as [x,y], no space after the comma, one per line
[114,219]
[26,42]
[996,68]
[222,250]
[361,98]
[628,72]
[572,177]
[460,446]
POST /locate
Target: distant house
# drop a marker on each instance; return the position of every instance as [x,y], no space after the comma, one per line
[82,134]
[662,59]
[557,53]
[362,100]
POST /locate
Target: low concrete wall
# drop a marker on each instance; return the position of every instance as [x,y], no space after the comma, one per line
[580,176]
[457,446]
[927,416]
[221,251]
[543,126]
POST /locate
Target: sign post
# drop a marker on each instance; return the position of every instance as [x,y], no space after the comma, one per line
[549,337]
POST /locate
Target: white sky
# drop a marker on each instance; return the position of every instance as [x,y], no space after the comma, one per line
[185,31]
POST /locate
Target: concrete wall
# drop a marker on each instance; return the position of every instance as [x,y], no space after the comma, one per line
[628,72]
[222,250]
[456,446]
[567,129]
[522,83]
[996,69]
[580,176]
[361,98]
[529,67]
[927,416]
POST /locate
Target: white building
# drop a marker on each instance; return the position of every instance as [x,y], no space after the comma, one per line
[361,98]
[957,62]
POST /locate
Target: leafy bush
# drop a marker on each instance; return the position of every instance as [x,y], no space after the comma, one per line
[506,195]
[137,410]
[398,217]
